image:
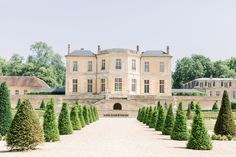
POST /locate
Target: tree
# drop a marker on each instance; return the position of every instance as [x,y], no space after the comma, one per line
[192,105]
[145,115]
[51,132]
[5,109]
[215,106]
[25,132]
[90,114]
[199,139]
[222,70]
[42,105]
[189,113]
[180,131]
[160,119]
[225,124]
[18,103]
[153,119]
[139,112]
[64,123]
[81,116]
[86,115]
[149,116]
[169,121]
[75,121]
[142,114]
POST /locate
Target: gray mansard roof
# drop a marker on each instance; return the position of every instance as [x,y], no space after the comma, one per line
[154,53]
[86,53]
[117,50]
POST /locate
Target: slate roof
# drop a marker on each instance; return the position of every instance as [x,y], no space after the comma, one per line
[86,53]
[118,50]
[185,91]
[154,53]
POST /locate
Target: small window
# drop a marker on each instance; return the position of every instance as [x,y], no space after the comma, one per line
[75,85]
[17,92]
[214,84]
[146,86]
[201,84]
[103,64]
[209,84]
[118,63]
[118,84]
[117,106]
[133,64]
[25,92]
[230,84]
[146,66]
[222,84]
[90,86]
[134,85]
[75,66]
[102,85]
[162,86]
[162,66]
[90,66]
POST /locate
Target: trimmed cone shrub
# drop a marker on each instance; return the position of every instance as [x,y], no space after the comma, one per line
[42,105]
[25,132]
[225,124]
[18,103]
[86,115]
[145,115]
[5,109]
[160,119]
[51,132]
[64,123]
[215,106]
[90,114]
[158,104]
[153,119]
[93,113]
[81,116]
[180,131]
[138,116]
[199,139]
[96,113]
[192,105]
[149,116]
[169,121]
[142,114]
[189,113]
[74,118]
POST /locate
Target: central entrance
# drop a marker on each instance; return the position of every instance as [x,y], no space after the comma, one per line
[117,106]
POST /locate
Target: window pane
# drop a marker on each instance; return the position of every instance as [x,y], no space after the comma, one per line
[75,66]
[74,85]
[90,86]
[133,85]
[146,66]
[90,66]
[103,64]
[118,84]
[118,63]
[102,85]
[162,86]
[133,64]
[162,67]
[146,86]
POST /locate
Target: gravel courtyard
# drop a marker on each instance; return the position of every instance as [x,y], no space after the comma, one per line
[120,137]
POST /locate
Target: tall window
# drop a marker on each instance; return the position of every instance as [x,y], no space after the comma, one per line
[75,66]
[222,84]
[74,85]
[133,64]
[90,86]
[16,92]
[230,84]
[134,85]
[103,64]
[118,84]
[162,86]
[162,66]
[118,63]
[102,85]
[146,66]
[214,84]
[146,86]
[90,66]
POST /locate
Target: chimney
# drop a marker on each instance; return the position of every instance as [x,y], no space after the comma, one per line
[167,49]
[81,48]
[68,49]
[99,48]
[137,48]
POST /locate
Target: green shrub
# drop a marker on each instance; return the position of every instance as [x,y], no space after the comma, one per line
[149,116]
[81,116]
[25,132]
[139,112]
[215,106]
[96,113]
[42,105]
[189,113]
[91,119]
[74,118]
[5,109]
[192,105]
[180,131]
[233,105]
[145,115]
[153,119]
[51,132]
[160,119]
[18,103]
[64,123]
[86,115]
[225,124]
[169,121]
[199,138]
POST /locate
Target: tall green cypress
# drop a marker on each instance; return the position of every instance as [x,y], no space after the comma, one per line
[81,116]
[180,131]
[18,103]
[145,115]
[86,115]
[199,139]
[138,116]
[64,123]
[215,106]
[160,119]
[142,114]
[153,119]
[169,121]
[149,116]
[225,124]
[96,113]
[51,132]
[74,118]
[5,109]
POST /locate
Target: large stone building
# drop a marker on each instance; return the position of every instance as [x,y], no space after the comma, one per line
[214,86]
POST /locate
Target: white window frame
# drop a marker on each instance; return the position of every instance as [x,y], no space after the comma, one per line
[90,85]
[118,84]
[146,86]
[74,85]
[103,85]
[162,86]
[75,66]
[90,66]
[162,66]
[103,67]
[118,64]
[146,66]
[134,85]
[133,64]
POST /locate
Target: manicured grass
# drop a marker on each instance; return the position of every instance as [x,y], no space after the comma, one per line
[213,114]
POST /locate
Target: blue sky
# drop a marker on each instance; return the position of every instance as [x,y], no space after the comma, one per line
[189,26]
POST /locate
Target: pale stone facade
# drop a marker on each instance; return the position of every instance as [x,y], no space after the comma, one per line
[214,86]
[118,73]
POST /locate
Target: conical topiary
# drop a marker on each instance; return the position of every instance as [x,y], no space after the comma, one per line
[64,123]
[93,113]
[199,139]
[153,119]
[18,103]
[189,113]
[138,116]
[5,109]
[158,104]
[51,132]
[42,105]
[75,121]
[225,124]
[149,116]
[160,119]
[142,114]
[192,105]
[81,116]
[86,115]
[96,113]
[145,115]
[90,114]
[169,121]
[25,132]
[180,131]
[215,106]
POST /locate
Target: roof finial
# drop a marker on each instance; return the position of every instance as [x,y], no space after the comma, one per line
[167,49]
[99,48]
[137,48]
[68,49]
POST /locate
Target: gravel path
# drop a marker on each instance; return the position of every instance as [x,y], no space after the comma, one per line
[120,137]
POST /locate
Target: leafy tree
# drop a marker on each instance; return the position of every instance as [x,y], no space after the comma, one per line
[25,132]
[199,139]
[169,121]
[42,105]
[180,131]
[153,119]
[18,103]
[75,121]
[232,63]
[225,124]
[189,113]
[5,109]
[2,65]
[86,115]
[51,132]
[215,106]
[64,123]
[222,70]
[160,119]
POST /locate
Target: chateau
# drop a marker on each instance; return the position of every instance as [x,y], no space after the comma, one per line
[118,72]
